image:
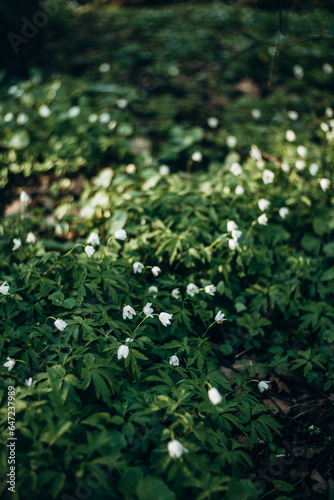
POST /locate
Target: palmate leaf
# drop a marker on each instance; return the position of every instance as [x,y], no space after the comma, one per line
[99,377]
[151,488]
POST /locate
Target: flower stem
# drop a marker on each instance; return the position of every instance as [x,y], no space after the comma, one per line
[217,240]
[208,329]
[63,256]
[250,230]
[142,321]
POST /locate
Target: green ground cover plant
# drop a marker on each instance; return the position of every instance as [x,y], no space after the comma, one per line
[166,266]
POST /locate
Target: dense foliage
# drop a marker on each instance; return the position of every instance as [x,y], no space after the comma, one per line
[228,210]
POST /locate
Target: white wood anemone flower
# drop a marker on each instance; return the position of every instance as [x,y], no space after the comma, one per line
[176,449]
[214,396]
[4,289]
[123,352]
[263,385]
[120,234]
[89,250]
[156,271]
[138,267]
[165,318]
[60,324]
[10,363]
[174,360]
[93,238]
[128,312]
[148,310]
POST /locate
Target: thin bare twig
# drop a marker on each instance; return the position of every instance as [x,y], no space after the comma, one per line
[276,44]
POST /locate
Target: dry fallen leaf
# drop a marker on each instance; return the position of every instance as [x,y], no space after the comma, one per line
[248,86]
[321,486]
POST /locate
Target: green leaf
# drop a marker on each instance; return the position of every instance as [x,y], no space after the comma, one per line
[19,140]
[69,303]
[151,488]
[283,486]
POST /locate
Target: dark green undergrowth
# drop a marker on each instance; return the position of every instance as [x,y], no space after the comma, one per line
[221,184]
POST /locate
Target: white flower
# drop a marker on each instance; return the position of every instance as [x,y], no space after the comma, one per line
[290,136]
[328,68]
[28,382]
[263,204]
[285,167]
[92,118]
[104,68]
[220,318]
[256,113]
[156,271]
[210,289]
[174,361]
[13,89]
[231,226]
[93,239]
[129,339]
[329,112]
[283,212]
[236,169]
[324,184]
[214,396]
[130,169]
[175,293]
[74,112]
[197,156]
[268,176]
[263,385]
[314,169]
[236,234]
[8,117]
[324,127]
[17,243]
[104,118]
[176,449]
[164,170]
[112,124]
[31,238]
[128,312]
[120,234]
[122,103]
[263,220]
[60,324]
[239,190]
[22,118]
[231,141]
[153,290]
[138,267]
[24,197]
[212,122]
[44,111]
[89,250]
[232,244]
[173,71]
[9,363]
[123,352]
[302,151]
[192,289]
[165,318]
[300,164]
[298,71]
[293,115]
[148,310]
[255,153]
[226,189]
[260,164]
[4,289]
